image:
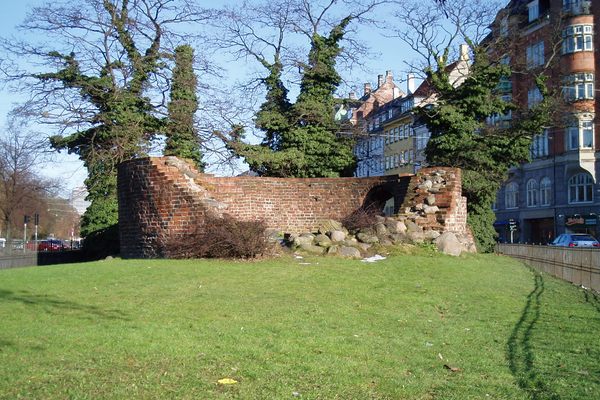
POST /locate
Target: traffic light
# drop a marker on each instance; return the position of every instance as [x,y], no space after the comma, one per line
[36,219]
[26,219]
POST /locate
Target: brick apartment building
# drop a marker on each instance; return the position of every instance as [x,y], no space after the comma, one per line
[558,190]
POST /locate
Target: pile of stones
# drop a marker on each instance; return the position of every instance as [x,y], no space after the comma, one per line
[332,238]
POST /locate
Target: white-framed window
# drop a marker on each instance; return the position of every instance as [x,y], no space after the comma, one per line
[581,188]
[539,145]
[396,160]
[580,135]
[579,86]
[533,10]
[535,54]
[532,193]
[390,113]
[578,38]
[534,96]
[545,191]
[511,195]
[411,156]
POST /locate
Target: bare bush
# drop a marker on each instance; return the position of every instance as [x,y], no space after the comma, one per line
[362,218]
[223,237]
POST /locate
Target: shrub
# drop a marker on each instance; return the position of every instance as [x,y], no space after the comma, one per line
[223,237]
[362,218]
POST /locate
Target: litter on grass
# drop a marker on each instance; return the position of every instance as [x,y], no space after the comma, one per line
[227,381]
[373,259]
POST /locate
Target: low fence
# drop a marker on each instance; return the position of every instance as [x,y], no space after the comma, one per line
[578,266]
[18,258]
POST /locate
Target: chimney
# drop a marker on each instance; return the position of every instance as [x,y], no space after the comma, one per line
[379,81]
[352,96]
[389,77]
[410,83]
[367,89]
[464,52]
[396,92]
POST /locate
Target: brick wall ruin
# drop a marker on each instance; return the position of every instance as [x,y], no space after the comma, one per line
[164,197]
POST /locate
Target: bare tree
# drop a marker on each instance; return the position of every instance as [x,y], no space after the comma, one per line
[22,188]
[434,31]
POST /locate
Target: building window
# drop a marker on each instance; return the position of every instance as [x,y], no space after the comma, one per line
[504,26]
[532,193]
[580,188]
[580,136]
[539,145]
[534,96]
[578,38]
[390,113]
[534,10]
[511,195]
[577,7]
[535,55]
[579,86]
[545,191]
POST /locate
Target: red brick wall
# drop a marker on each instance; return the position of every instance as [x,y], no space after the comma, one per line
[164,197]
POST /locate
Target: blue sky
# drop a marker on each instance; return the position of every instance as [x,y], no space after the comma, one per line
[391,55]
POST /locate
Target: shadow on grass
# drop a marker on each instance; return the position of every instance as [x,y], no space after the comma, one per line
[520,353]
[6,343]
[55,304]
[592,298]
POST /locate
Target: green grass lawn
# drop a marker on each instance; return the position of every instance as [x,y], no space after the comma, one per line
[333,329]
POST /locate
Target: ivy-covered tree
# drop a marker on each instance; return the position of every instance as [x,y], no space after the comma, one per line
[100,87]
[301,138]
[182,138]
[461,136]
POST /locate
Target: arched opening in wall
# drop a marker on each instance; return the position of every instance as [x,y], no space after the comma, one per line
[375,204]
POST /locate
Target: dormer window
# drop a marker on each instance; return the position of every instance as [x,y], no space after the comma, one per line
[534,10]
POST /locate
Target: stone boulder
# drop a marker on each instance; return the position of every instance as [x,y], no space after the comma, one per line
[322,240]
[416,237]
[333,250]
[350,252]
[380,229]
[448,243]
[337,236]
[394,226]
[311,248]
[365,237]
[431,235]
[411,226]
[329,226]
[302,240]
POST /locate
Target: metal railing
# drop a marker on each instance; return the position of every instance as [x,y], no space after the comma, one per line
[580,266]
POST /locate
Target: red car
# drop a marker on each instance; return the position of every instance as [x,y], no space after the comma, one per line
[51,245]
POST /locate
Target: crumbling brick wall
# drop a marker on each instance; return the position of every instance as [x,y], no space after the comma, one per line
[164,197]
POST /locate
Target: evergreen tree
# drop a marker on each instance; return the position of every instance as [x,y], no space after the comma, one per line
[460,136]
[182,138]
[300,138]
[121,121]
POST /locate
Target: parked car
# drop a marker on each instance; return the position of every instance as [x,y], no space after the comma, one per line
[575,240]
[51,245]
